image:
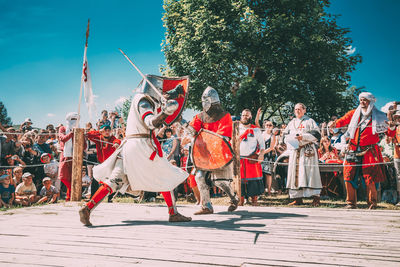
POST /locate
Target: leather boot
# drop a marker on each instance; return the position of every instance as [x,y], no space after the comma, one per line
[84,214]
[316,201]
[204,211]
[234,205]
[177,217]
[296,202]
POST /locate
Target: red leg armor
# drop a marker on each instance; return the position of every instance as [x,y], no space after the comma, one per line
[100,194]
[170,203]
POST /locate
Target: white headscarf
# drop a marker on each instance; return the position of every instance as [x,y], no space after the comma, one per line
[378,117]
[68,128]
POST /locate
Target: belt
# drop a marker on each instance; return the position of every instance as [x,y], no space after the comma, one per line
[138,136]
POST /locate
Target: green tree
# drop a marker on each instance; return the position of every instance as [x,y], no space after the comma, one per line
[264,53]
[4,119]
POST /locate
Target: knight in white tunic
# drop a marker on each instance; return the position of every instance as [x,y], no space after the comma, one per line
[139,162]
[301,137]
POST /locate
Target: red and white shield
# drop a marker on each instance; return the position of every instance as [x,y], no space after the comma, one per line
[170,84]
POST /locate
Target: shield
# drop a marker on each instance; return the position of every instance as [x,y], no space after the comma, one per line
[211,151]
[169,84]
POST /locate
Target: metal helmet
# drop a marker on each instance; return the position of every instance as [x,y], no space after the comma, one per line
[146,89]
[210,96]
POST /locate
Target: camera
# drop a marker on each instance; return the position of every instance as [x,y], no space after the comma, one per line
[352,157]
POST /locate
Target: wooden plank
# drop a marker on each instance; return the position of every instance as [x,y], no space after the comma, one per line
[236,158]
[77,161]
[126,234]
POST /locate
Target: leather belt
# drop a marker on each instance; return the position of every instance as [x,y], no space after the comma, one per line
[138,136]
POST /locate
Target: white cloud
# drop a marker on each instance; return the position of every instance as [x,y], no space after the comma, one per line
[350,50]
[51,115]
[120,101]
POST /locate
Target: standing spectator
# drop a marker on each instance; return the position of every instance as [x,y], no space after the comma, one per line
[65,136]
[48,193]
[304,180]
[26,126]
[364,126]
[177,132]
[7,191]
[252,148]
[169,143]
[41,145]
[269,157]
[29,155]
[104,119]
[26,191]
[106,144]
[394,132]
[7,144]
[326,151]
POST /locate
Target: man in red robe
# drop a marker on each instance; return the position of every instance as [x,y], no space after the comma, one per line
[364,157]
[214,118]
[252,149]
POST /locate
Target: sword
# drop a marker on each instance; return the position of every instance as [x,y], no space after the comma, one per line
[163,100]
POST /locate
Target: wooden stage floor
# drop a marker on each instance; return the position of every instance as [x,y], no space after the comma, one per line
[131,234]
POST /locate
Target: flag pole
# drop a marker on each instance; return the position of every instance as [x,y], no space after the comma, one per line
[84,57]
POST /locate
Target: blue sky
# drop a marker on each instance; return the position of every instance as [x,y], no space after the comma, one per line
[42,42]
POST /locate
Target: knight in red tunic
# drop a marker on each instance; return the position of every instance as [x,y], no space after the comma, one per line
[217,120]
[252,149]
[364,158]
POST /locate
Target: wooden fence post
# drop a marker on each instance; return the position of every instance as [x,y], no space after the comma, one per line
[236,158]
[77,161]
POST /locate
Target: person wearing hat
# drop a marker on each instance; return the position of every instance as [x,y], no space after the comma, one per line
[48,193]
[106,143]
[7,191]
[65,136]
[26,125]
[363,157]
[26,191]
[394,132]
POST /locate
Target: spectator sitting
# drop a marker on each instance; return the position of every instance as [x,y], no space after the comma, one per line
[7,191]
[51,169]
[40,144]
[17,179]
[326,151]
[48,193]
[26,193]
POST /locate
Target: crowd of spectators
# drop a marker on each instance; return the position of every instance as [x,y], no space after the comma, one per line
[29,157]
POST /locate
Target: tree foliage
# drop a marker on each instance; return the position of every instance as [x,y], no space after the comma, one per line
[264,53]
[4,119]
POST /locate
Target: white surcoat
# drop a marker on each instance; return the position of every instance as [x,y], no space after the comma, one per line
[157,175]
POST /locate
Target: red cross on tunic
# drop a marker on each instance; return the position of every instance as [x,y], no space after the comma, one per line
[301,126]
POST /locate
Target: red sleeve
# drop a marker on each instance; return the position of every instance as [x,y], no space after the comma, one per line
[116,141]
[226,126]
[391,133]
[94,136]
[345,120]
[64,137]
[196,123]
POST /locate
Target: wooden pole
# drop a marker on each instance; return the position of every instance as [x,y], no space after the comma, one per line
[236,158]
[77,161]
